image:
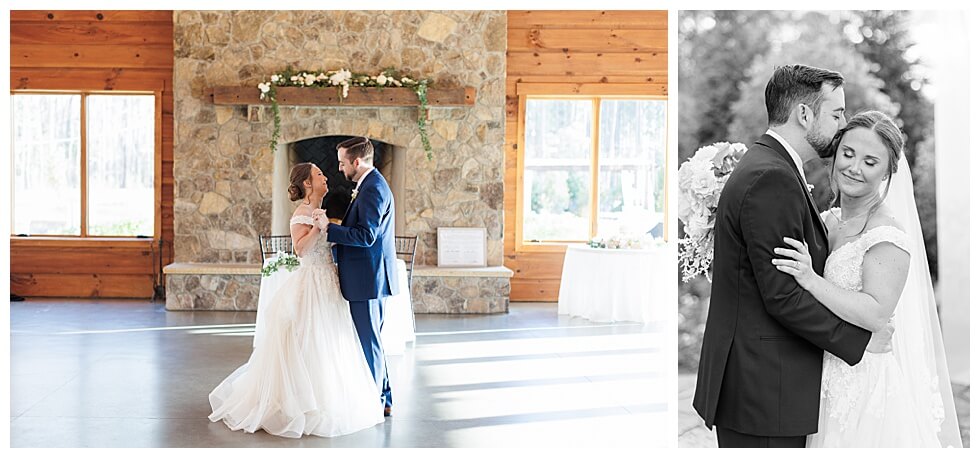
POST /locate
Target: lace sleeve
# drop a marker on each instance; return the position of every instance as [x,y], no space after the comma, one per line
[301,219]
[886,234]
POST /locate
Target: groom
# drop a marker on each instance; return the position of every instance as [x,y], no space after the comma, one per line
[365,254]
[765,336]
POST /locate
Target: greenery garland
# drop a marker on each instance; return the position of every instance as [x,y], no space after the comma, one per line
[422,91]
[342,80]
[288,260]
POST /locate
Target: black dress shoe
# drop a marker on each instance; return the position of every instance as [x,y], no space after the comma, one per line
[387,411]
[15,298]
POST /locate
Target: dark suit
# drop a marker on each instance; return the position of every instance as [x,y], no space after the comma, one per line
[764,339]
[365,254]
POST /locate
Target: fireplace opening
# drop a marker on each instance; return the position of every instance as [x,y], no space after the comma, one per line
[322,151]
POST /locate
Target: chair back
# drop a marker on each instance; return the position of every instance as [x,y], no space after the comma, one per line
[405,250]
[272,244]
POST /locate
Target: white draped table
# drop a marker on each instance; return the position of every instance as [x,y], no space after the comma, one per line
[399,324]
[606,285]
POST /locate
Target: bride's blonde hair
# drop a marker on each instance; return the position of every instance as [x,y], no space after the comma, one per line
[890,135]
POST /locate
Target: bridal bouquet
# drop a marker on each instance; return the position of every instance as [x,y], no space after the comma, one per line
[282,259]
[702,178]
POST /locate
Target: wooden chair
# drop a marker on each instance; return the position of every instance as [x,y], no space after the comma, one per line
[272,244]
[405,250]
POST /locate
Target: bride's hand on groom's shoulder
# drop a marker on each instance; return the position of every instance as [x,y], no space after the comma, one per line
[798,264]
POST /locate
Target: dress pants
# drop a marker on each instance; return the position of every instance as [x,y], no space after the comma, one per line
[368,318]
[728,438]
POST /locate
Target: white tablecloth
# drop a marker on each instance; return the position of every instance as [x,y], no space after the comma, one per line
[399,324]
[606,285]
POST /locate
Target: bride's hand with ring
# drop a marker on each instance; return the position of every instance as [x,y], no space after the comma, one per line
[798,264]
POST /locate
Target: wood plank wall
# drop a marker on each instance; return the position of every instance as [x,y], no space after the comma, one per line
[95,50]
[570,47]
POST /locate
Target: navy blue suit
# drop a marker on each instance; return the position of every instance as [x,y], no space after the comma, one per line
[365,254]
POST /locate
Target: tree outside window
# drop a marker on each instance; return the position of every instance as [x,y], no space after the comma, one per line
[83,164]
[592,166]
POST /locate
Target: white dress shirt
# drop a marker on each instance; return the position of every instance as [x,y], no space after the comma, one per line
[792,154]
[361,179]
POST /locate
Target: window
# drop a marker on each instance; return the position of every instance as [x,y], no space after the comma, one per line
[83,164]
[591,166]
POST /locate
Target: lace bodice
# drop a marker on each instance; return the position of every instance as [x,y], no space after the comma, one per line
[847,391]
[844,265]
[320,253]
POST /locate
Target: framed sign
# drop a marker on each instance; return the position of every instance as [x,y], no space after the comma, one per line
[462,246]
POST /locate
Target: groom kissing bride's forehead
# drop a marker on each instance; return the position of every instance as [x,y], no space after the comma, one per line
[764,340]
[792,357]
[807,100]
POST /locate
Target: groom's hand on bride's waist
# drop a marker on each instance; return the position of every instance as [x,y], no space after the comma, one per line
[881,341]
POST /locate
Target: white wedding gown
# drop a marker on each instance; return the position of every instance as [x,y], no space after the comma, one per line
[308,375]
[870,404]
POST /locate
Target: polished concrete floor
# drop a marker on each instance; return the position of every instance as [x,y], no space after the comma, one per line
[115,373]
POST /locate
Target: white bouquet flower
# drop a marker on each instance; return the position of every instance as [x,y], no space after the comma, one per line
[623,242]
[288,260]
[701,180]
[340,77]
[264,87]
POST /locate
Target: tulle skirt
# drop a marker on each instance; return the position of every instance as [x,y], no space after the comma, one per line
[870,405]
[308,375]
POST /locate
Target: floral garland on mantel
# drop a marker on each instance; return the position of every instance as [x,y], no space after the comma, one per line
[342,80]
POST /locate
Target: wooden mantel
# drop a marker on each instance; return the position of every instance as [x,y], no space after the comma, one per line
[356,97]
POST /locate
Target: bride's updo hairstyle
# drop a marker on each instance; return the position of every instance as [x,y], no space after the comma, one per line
[300,173]
[888,132]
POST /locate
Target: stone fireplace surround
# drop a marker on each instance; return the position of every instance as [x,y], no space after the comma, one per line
[225,180]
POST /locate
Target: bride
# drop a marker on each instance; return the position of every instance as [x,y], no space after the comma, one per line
[307,375]
[877,272]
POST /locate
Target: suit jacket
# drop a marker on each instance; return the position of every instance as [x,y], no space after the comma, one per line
[365,242]
[765,336]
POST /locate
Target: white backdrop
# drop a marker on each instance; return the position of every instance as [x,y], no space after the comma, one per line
[953,129]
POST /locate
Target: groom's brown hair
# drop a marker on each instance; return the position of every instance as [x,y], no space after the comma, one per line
[794,84]
[358,147]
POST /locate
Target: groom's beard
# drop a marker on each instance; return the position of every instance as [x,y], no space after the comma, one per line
[823,145]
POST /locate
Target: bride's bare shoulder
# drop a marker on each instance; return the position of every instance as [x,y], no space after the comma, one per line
[884,217]
[303,210]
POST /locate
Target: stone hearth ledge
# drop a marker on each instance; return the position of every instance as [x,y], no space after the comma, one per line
[235,287]
[434,271]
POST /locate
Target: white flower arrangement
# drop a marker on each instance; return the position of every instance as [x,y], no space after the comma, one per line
[343,79]
[288,260]
[623,242]
[700,181]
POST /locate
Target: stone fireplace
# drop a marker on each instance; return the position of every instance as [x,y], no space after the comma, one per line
[230,188]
